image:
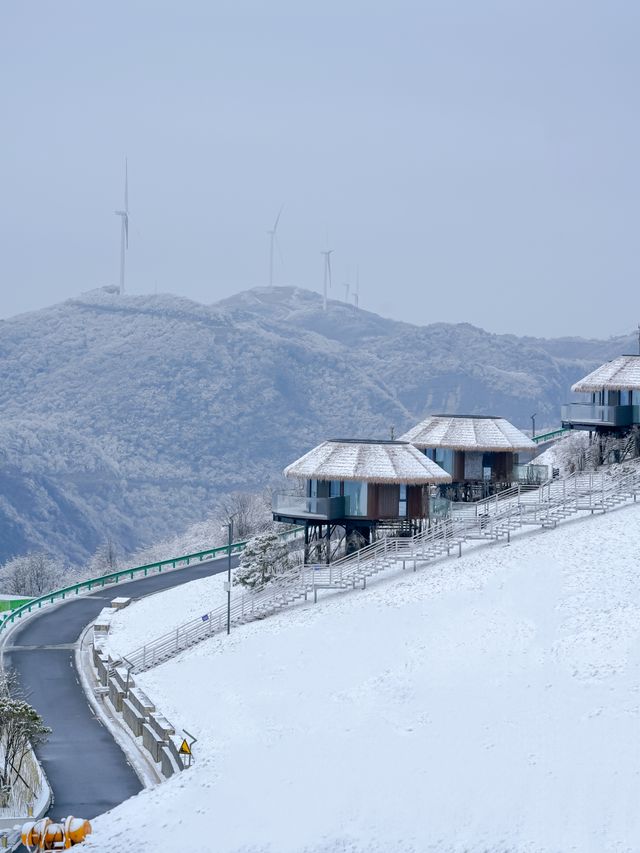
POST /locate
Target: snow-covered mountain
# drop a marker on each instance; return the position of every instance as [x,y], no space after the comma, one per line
[128,416]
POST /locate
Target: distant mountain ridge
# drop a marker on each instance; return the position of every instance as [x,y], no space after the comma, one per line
[129,416]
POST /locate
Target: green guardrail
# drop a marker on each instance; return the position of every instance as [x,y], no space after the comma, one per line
[128,574]
[547,436]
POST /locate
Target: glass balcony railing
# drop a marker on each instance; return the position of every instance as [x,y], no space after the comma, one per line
[590,414]
[439,508]
[299,506]
[531,474]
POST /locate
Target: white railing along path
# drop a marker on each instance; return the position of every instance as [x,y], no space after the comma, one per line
[486,520]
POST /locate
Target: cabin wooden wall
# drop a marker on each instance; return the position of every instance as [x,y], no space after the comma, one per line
[416,502]
[383,500]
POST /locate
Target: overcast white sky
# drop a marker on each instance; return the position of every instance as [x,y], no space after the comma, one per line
[477,159]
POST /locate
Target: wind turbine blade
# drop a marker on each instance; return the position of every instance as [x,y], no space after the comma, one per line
[126,229]
[275,224]
[126,185]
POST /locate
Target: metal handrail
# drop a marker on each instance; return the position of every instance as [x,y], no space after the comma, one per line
[130,573]
[547,436]
[543,505]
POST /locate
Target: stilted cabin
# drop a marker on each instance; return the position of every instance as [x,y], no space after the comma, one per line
[351,489]
[480,453]
[612,398]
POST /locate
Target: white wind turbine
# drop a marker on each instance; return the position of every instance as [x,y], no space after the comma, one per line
[356,295]
[124,224]
[272,241]
[327,275]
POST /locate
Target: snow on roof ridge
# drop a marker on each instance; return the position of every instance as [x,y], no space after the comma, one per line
[367,461]
[619,374]
[468,432]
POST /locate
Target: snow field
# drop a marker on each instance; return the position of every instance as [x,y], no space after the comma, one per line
[148,618]
[485,703]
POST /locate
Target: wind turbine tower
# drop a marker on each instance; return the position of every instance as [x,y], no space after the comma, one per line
[356,295]
[272,242]
[124,224]
[327,275]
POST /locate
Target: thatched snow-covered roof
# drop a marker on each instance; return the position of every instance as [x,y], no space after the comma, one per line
[367,461]
[472,433]
[620,374]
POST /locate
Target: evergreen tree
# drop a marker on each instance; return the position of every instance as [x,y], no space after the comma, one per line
[21,727]
[264,557]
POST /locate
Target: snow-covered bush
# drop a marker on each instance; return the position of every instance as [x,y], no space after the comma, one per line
[264,557]
[572,453]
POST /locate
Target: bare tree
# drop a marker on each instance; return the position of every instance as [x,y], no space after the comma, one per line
[251,513]
[105,560]
[32,575]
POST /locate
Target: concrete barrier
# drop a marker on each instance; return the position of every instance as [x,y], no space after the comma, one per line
[102,670]
[173,746]
[161,726]
[120,675]
[168,763]
[97,653]
[103,622]
[116,694]
[119,603]
[152,742]
[141,702]
[132,717]
[139,713]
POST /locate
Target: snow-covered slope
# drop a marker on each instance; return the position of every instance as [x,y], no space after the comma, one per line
[488,703]
[127,417]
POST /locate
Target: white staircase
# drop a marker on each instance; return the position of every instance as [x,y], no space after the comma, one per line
[487,520]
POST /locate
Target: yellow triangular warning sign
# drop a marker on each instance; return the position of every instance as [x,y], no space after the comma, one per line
[185,749]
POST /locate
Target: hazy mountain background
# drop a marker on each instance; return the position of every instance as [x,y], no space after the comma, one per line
[127,417]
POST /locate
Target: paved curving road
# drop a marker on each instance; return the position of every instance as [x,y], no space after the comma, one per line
[87,770]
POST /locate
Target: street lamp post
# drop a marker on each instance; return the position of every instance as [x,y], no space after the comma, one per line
[230,530]
[533,425]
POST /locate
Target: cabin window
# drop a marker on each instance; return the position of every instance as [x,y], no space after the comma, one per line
[442,456]
[402,505]
[355,494]
[625,398]
[334,489]
[319,489]
[487,466]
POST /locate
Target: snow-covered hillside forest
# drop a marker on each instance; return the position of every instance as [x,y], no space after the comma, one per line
[127,419]
[38,572]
